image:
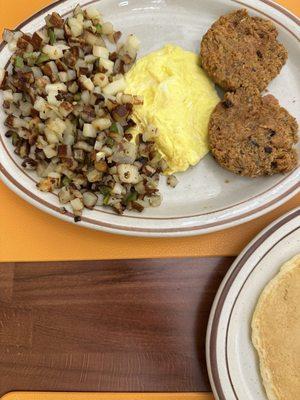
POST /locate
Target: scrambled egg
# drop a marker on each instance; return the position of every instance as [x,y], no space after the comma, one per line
[178,100]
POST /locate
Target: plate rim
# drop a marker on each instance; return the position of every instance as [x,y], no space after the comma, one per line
[223,291]
[192,227]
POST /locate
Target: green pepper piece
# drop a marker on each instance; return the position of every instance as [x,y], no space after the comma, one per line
[106,199]
[104,190]
[52,36]
[131,197]
[42,58]
[77,96]
[96,64]
[29,54]
[98,28]
[14,138]
[110,142]
[19,62]
[114,128]
[66,181]
[30,58]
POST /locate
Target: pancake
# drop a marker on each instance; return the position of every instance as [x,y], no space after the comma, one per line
[276,333]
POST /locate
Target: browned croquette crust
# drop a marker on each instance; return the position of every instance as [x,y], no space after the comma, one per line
[242,51]
[252,135]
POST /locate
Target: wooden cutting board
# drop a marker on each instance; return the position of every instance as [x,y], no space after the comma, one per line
[107,326]
[105,396]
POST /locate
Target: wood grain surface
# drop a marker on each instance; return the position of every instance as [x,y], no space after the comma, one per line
[127,325]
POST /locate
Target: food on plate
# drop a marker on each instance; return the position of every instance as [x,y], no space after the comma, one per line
[178,100]
[249,135]
[240,50]
[99,128]
[69,119]
[276,333]
[252,135]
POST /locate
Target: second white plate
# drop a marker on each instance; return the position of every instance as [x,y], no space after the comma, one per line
[231,358]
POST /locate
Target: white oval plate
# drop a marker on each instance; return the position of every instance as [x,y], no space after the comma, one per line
[231,359]
[207,197]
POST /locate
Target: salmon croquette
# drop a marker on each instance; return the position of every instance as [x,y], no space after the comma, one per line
[242,51]
[252,135]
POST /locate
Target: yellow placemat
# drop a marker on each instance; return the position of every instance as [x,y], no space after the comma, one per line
[105,396]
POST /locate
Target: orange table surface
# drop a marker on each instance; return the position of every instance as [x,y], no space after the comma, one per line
[27,234]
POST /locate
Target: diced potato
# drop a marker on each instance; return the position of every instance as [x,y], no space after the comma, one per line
[87,24]
[2,75]
[94,175]
[107,28]
[51,137]
[80,18]
[118,189]
[55,87]
[92,39]
[99,51]
[71,115]
[77,204]
[55,175]
[37,72]
[56,125]
[100,155]
[100,80]
[89,131]
[86,83]
[85,97]
[71,74]
[8,95]
[172,181]
[101,123]
[51,98]
[75,26]
[155,201]
[64,195]
[50,151]
[92,13]
[107,150]
[65,108]
[73,88]
[108,65]
[63,76]
[25,108]
[101,166]
[115,87]
[90,59]
[133,42]
[46,185]
[89,199]
[54,52]
[99,142]
[83,146]
[40,104]
[17,97]
[68,135]
[128,173]
[150,133]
